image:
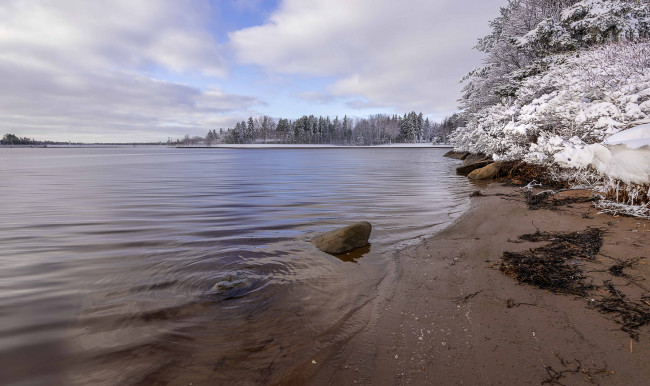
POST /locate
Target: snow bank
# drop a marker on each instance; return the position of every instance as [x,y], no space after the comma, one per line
[624,156]
[634,138]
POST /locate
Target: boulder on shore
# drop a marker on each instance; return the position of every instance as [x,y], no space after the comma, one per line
[461,155]
[465,170]
[343,239]
[472,162]
[475,158]
[486,172]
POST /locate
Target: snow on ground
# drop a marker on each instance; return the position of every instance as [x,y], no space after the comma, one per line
[624,156]
[634,138]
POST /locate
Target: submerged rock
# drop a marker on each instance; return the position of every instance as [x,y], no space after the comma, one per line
[344,239]
[228,284]
[486,172]
[233,285]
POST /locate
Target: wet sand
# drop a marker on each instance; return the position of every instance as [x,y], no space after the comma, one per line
[445,314]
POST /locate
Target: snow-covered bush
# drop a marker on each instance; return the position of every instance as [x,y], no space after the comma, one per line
[589,22]
[529,31]
[580,100]
[559,77]
[534,81]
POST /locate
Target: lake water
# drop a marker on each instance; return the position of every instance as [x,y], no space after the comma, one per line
[109,257]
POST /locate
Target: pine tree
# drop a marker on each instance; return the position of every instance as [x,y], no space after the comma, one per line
[427,130]
[265,128]
[250,131]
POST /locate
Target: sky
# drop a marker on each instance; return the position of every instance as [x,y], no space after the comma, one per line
[148,70]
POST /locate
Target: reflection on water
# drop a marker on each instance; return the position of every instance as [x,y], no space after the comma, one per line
[355,254]
[156,265]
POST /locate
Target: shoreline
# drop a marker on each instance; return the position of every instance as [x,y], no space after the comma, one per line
[445,314]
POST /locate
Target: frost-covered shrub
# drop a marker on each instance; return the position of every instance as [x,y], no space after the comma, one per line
[559,77]
[581,99]
[528,32]
[589,22]
[597,21]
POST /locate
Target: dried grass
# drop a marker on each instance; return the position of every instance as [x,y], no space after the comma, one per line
[526,173]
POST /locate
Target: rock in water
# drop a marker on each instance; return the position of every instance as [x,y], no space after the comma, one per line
[344,239]
[233,285]
[486,173]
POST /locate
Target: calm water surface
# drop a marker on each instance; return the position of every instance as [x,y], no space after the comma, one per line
[109,257]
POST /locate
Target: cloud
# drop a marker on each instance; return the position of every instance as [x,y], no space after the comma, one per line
[136,34]
[115,105]
[364,104]
[409,55]
[316,97]
[85,69]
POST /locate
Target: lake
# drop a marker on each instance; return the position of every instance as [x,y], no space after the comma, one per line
[110,257]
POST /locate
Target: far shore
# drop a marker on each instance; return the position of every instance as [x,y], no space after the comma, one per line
[446,315]
[231,146]
[316,146]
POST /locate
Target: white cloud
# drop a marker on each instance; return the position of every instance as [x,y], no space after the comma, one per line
[113,105]
[407,55]
[82,69]
[99,33]
[316,97]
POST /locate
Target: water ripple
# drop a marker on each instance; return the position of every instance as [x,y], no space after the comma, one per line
[122,266]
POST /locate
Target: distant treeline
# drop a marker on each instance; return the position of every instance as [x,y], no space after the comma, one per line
[11,139]
[374,130]
[14,140]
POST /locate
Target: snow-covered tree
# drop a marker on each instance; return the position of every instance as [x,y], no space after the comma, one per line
[552,67]
[558,83]
[528,31]
[587,23]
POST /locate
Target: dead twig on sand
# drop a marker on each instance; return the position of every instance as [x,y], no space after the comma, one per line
[463,299]
[631,314]
[546,200]
[510,303]
[575,367]
[617,269]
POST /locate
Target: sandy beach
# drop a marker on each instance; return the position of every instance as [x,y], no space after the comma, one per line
[444,314]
